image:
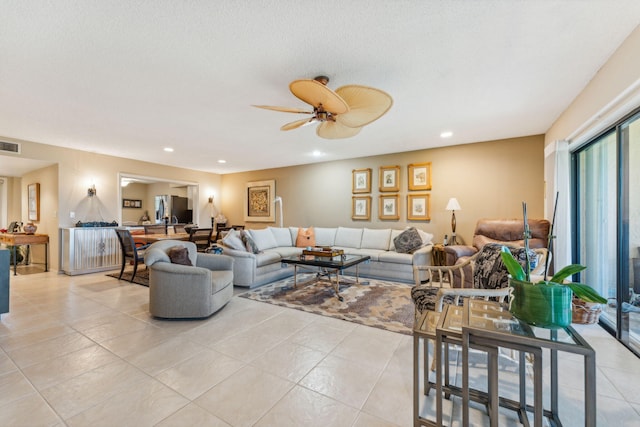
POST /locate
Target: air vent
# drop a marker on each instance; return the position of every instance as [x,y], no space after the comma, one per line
[10,147]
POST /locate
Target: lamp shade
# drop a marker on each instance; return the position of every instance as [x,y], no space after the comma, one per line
[453,205]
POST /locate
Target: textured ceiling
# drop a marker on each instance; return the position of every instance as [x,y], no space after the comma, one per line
[128,78]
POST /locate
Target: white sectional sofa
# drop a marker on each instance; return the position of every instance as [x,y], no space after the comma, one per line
[272,244]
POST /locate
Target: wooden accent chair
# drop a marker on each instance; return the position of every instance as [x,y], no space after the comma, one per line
[130,252]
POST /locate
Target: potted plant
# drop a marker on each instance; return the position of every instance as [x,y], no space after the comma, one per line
[545,303]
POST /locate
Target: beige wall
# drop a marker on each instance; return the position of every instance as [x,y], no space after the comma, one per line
[47,224]
[489,179]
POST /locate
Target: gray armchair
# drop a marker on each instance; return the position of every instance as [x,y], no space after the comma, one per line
[187,291]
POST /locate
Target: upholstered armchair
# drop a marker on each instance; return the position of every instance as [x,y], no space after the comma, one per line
[184,283]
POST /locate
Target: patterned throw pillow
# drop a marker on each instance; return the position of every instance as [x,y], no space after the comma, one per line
[234,241]
[490,272]
[249,244]
[179,255]
[408,241]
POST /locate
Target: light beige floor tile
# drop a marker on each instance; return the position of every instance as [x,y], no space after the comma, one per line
[303,407]
[136,342]
[366,420]
[396,407]
[322,336]
[165,355]
[289,361]
[14,386]
[67,366]
[6,364]
[249,344]
[200,373]
[369,346]
[91,388]
[49,349]
[34,336]
[243,398]
[192,415]
[118,326]
[626,383]
[146,404]
[31,410]
[344,380]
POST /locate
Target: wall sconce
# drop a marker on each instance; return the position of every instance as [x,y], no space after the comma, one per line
[91,191]
[210,200]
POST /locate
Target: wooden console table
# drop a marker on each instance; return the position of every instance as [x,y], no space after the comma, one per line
[20,239]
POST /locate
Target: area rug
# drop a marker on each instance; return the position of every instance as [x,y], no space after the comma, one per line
[142,276]
[380,304]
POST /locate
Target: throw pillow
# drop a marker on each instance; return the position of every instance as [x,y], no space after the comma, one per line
[264,239]
[306,238]
[179,255]
[408,241]
[490,272]
[249,244]
[234,241]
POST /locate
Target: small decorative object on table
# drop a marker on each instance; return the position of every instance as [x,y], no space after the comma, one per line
[30,228]
[323,251]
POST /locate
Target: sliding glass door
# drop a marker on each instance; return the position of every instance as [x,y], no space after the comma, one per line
[607,224]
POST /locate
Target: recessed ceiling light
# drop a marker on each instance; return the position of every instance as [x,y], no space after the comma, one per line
[222,161]
[446,134]
[317,153]
[168,149]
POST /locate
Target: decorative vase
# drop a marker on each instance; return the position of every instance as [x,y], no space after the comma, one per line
[547,305]
[30,228]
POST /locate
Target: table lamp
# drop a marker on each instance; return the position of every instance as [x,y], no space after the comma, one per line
[453,206]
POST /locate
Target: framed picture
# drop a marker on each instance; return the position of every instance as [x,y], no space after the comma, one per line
[361,208]
[418,206]
[420,176]
[389,207]
[131,203]
[361,181]
[259,201]
[389,178]
[33,191]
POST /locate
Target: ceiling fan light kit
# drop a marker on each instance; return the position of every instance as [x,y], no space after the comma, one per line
[340,114]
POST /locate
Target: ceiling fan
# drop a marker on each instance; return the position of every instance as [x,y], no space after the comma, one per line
[342,113]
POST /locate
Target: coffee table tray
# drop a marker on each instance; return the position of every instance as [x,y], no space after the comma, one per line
[323,252]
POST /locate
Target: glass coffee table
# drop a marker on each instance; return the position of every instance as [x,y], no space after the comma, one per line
[330,267]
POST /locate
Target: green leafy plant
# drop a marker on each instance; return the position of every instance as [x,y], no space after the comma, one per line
[580,290]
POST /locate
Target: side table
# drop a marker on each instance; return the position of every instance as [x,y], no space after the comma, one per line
[438,255]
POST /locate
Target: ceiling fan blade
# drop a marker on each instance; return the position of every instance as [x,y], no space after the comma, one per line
[298,123]
[284,109]
[315,93]
[366,104]
[335,130]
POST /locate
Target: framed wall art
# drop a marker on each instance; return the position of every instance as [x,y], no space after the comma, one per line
[259,201]
[389,178]
[33,193]
[361,208]
[420,176]
[131,203]
[418,206]
[361,181]
[389,207]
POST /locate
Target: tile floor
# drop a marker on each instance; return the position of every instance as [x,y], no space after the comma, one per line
[83,351]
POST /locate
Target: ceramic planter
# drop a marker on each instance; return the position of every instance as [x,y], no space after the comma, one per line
[547,305]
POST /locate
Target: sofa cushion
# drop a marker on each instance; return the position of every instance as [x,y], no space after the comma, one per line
[348,237]
[325,236]
[179,255]
[408,241]
[264,239]
[282,235]
[249,244]
[426,237]
[233,240]
[395,257]
[267,257]
[394,233]
[306,238]
[375,239]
